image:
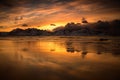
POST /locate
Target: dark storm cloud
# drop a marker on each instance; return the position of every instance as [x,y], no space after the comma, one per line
[14,3]
[11,3]
[7,5]
[114,5]
[25,25]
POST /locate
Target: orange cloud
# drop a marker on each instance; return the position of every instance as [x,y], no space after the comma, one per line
[42,13]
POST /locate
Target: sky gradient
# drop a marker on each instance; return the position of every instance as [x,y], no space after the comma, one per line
[48,14]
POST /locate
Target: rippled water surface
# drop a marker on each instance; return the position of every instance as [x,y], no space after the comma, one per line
[59,58]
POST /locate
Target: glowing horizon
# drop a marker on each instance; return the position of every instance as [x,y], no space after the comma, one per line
[41,13]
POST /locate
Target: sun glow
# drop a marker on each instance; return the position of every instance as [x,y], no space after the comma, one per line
[51,46]
[51,26]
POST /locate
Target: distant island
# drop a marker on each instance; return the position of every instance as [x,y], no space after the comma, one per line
[111,28]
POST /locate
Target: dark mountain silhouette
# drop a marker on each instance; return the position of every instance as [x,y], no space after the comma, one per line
[111,28]
[29,32]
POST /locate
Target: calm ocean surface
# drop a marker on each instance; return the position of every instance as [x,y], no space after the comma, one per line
[59,58]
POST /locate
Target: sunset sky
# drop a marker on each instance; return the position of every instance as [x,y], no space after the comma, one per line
[48,14]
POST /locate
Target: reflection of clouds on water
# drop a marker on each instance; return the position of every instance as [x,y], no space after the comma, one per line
[97,46]
[80,48]
[70,47]
[35,59]
[25,49]
[84,53]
